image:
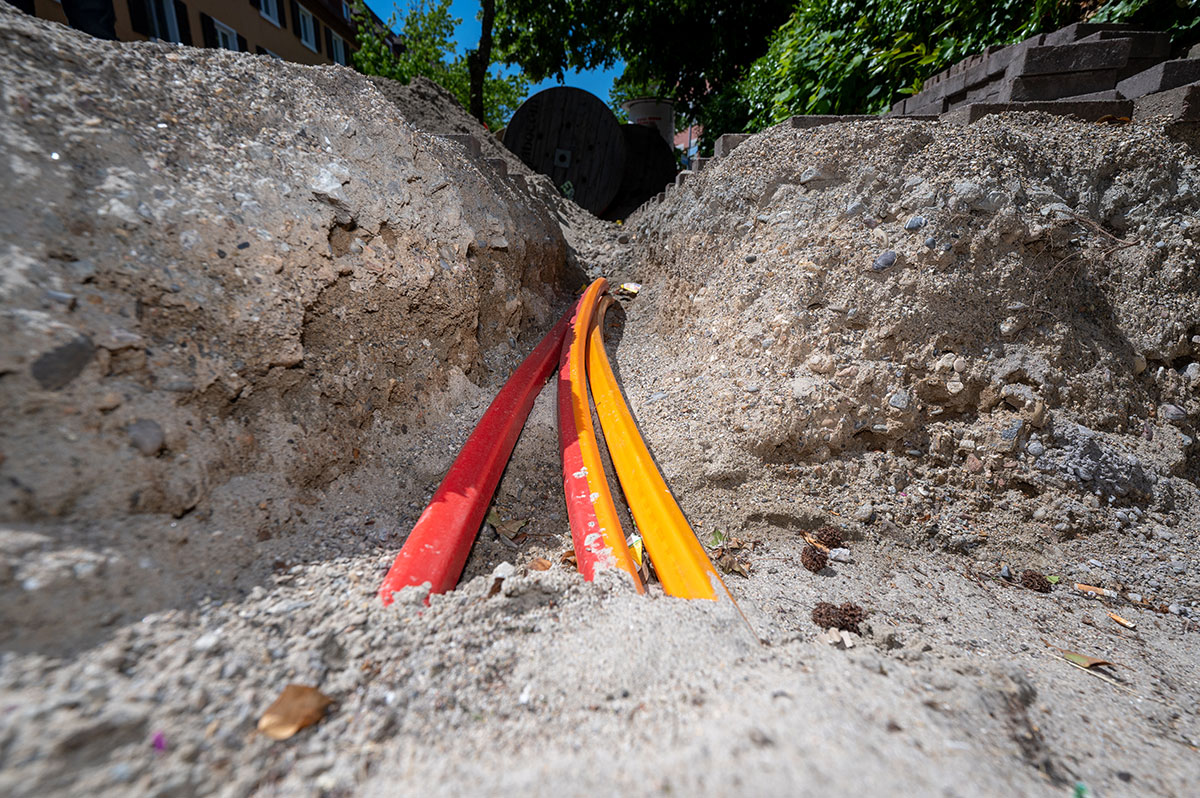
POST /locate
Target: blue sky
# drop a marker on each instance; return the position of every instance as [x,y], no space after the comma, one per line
[598,82]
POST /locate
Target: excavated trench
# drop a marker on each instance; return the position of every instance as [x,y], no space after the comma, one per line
[244,332]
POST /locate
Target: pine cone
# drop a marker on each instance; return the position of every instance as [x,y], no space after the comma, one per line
[830,537]
[826,615]
[1035,581]
[851,615]
[813,558]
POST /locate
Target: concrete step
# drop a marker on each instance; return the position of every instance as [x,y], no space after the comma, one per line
[1087,111]
[1181,104]
[1161,77]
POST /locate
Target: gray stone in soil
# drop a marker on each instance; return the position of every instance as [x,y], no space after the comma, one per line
[55,369]
[751,258]
[931,242]
[864,513]
[885,261]
[62,298]
[915,223]
[1174,413]
[147,436]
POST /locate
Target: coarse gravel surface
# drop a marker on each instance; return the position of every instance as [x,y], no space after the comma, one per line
[208,461]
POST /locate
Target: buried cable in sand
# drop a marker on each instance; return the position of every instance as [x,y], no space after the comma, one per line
[595,528]
[679,560]
[436,550]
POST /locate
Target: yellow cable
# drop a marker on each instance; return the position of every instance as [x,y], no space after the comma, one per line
[679,559]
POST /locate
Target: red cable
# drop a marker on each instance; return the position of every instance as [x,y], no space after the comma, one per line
[436,550]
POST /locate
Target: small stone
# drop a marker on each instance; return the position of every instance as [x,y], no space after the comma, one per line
[1175,609]
[1136,598]
[1035,448]
[1173,413]
[110,400]
[931,242]
[62,298]
[1005,572]
[207,643]
[960,364]
[55,369]
[886,260]
[623,238]
[840,555]
[856,208]
[915,223]
[751,258]
[899,400]
[147,436]
[752,389]
[864,513]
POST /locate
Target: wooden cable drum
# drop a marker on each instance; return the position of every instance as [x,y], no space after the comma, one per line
[649,167]
[573,138]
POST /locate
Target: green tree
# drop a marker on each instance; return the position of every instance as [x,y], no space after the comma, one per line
[428,49]
[838,56]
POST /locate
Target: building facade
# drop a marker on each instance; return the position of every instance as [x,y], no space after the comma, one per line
[303,31]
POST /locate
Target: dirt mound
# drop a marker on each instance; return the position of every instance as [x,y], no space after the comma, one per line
[1001,316]
[249,312]
[232,287]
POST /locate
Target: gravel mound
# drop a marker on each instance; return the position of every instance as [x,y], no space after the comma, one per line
[250,310]
[988,335]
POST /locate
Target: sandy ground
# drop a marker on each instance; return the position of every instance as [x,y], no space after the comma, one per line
[158,589]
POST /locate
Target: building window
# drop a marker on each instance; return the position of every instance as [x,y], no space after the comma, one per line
[270,10]
[227,38]
[308,29]
[338,50]
[166,25]
[346,11]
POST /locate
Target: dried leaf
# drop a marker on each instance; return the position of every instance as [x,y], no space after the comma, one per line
[1082,660]
[732,565]
[298,706]
[540,564]
[568,558]
[508,528]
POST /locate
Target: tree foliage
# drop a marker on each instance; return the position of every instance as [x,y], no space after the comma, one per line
[858,56]
[689,48]
[427,33]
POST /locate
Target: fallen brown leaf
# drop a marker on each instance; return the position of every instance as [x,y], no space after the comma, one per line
[732,565]
[1082,660]
[297,707]
[540,564]
[508,528]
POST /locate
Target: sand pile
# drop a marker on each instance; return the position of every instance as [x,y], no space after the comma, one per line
[250,311]
[1003,317]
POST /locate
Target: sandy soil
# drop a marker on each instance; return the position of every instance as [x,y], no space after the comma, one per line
[207,461]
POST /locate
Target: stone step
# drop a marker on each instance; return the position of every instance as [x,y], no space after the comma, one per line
[1161,77]
[1067,58]
[1181,104]
[727,143]
[1087,111]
